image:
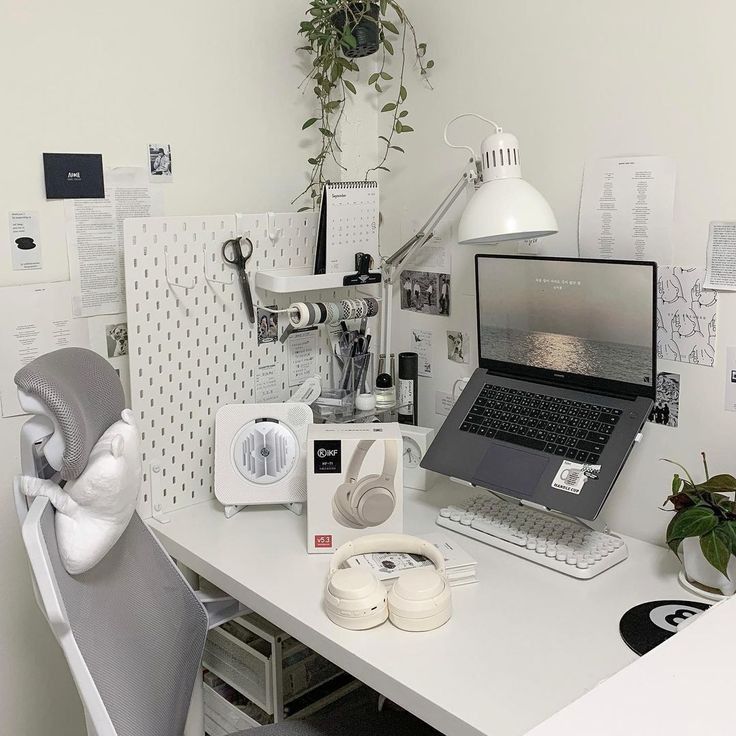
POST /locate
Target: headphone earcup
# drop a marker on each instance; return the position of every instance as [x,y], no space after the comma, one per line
[371,502]
[363,504]
[420,600]
[341,506]
[355,599]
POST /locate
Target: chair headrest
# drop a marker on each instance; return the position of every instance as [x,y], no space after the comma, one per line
[84,394]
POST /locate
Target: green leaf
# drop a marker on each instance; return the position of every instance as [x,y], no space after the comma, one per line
[694,522]
[715,550]
[422,47]
[720,483]
[309,122]
[403,113]
[386,76]
[312,161]
[429,64]
[388,46]
[383,138]
[398,148]
[304,209]
[406,128]
[384,7]
[326,132]
[676,483]
[332,106]
[402,93]
[374,78]
[389,26]
[350,86]
[378,87]
[673,542]
[398,127]
[348,39]
[727,532]
[383,168]
[388,107]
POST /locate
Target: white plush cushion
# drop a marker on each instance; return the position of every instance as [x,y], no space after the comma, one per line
[94,509]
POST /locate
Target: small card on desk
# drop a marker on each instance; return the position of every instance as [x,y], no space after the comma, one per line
[73,175]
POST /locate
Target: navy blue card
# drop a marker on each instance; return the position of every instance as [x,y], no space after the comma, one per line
[73,175]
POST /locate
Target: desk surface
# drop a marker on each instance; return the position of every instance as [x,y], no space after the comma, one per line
[522,644]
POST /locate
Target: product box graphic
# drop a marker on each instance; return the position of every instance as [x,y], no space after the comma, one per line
[354,482]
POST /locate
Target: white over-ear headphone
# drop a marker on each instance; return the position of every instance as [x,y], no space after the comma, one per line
[371,500]
[420,599]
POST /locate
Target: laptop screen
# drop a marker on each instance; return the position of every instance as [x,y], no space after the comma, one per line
[570,321]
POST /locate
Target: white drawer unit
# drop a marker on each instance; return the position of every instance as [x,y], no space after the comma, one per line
[269,668]
[222,717]
[240,665]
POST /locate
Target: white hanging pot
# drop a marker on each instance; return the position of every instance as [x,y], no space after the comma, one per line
[699,571]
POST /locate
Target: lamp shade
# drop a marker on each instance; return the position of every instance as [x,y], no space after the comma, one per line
[505,206]
[506,209]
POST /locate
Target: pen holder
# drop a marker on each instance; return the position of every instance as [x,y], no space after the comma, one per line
[349,378]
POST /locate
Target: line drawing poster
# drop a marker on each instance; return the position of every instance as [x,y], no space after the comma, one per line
[686,316]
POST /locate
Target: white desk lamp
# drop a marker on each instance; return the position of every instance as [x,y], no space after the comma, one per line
[503,207]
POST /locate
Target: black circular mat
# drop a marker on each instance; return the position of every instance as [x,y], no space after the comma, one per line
[647,625]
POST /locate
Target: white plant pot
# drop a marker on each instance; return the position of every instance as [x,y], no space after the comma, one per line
[699,570]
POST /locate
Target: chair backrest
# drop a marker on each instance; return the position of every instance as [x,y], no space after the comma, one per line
[131,628]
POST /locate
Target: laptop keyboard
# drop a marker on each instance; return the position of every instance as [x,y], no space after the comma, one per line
[571,429]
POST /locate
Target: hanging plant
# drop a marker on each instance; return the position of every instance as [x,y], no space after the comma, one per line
[337,32]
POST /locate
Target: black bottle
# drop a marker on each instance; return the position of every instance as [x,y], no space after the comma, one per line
[407,393]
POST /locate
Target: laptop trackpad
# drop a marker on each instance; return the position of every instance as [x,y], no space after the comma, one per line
[507,469]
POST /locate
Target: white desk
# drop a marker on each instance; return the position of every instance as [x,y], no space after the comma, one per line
[522,644]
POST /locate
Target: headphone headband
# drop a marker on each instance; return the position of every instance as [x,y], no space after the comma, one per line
[390,460]
[371,543]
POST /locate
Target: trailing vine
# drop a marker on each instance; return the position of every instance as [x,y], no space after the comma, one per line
[330,33]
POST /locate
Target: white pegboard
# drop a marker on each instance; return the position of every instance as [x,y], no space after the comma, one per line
[191,347]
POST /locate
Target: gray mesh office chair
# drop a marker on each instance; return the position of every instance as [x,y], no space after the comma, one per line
[131,628]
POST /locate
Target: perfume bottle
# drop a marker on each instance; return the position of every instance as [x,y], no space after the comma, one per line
[385,384]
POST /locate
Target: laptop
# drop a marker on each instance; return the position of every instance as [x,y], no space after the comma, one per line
[565,382]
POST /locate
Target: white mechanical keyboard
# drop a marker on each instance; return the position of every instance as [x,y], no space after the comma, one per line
[555,542]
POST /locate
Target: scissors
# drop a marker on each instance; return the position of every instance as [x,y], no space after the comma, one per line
[232,253]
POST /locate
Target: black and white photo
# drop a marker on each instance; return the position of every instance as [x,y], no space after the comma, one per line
[159,161]
[117,340]
[425,292]
[666,407]
[268,326]
[458,346]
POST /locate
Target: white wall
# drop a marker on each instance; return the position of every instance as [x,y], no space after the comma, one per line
[218,81]
[575,79]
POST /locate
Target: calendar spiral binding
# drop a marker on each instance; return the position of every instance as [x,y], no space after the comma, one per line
[351,184]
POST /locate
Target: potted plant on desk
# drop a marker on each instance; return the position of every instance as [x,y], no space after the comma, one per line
[704,528]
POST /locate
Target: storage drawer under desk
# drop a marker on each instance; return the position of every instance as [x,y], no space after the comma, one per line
[240,665]
[222,717]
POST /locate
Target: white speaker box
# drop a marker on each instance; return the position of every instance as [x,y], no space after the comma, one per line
[260,453]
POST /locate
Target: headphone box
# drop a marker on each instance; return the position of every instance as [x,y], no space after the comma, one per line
[354,483]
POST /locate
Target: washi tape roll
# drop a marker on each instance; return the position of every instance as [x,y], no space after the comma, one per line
[299,315]
[333,313]
[371,306]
